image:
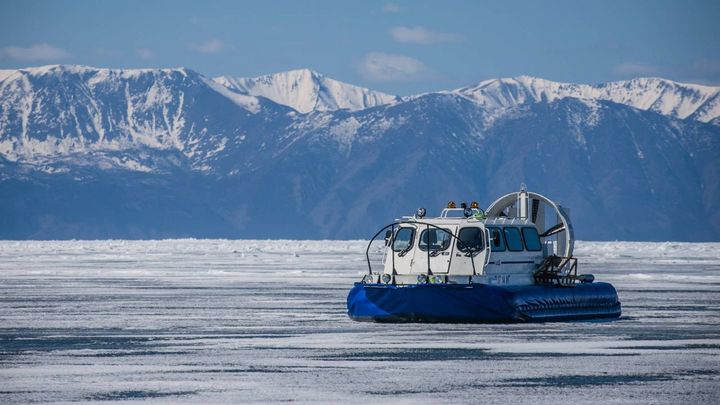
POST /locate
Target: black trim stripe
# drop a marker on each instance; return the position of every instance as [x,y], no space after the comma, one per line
[513,262]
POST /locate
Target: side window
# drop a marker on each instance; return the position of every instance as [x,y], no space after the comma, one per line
[403,239]
[513,239]
[497,242]
[470,239]
[439,239]
[531,238]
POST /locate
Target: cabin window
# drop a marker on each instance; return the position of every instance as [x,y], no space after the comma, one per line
[403,239]
[531,238]
[513,239]
[470,240]
[439,239]
[497,242]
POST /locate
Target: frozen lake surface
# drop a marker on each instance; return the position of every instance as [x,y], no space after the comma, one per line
[215,321]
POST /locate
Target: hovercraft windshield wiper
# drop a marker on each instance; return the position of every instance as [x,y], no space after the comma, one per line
[405,251]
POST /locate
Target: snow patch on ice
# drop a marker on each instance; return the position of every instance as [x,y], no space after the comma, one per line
[210,321]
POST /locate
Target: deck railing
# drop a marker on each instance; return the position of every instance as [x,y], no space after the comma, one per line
[557,270]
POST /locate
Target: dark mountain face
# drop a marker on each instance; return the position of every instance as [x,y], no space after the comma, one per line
[630,184]
[159,154]
[621,180]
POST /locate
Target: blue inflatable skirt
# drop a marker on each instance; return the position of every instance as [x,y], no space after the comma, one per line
[476,303]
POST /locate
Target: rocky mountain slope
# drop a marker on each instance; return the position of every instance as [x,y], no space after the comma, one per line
[98,153]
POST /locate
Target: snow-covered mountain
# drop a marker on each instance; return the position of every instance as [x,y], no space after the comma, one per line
[305,90]
[97,153]
[662,96]
[53,113]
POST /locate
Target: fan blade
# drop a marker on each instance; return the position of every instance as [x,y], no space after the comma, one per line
[553,230]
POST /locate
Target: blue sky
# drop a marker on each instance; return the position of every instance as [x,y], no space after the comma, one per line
[401,47]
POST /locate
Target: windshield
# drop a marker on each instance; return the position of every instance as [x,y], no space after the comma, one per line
[439,239]
[470,239]
[403,239]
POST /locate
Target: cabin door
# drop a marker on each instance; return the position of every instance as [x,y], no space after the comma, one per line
[403,250]
[470,251]
[435,249]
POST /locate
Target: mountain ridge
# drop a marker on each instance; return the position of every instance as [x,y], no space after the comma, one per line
[663,96]
[306,90]
[90,153]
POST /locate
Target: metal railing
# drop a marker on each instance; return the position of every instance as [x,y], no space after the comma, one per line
[463,245]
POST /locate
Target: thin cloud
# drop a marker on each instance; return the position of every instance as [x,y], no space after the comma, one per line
[210,46]
[708,70]
[391,8]
[422,35]
[36,52]
[637,69]
[386,67]
[145,53]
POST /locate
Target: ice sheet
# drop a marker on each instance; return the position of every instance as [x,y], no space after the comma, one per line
[220,321]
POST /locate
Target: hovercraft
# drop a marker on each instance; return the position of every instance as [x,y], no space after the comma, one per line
[469,265]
